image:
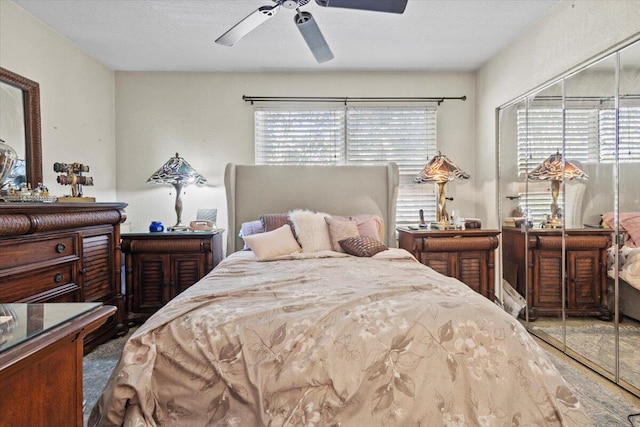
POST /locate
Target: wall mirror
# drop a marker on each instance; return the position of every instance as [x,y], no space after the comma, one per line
[569,167]
[20,124]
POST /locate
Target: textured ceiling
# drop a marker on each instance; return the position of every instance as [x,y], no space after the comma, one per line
[179,35]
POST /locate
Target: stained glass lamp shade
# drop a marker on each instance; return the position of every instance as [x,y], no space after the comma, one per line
[556,169]
[441,170]
[177,172]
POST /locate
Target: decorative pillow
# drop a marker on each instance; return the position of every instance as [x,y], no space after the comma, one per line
[363,246]
[368,225]
[250,228]
[272,222]
[311,230]
[272,244]
[340,230]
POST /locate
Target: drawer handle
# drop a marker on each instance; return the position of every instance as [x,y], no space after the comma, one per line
[57,278]
[60,247]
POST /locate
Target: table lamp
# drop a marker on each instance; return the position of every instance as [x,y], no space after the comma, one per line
[177,172]
[556,169]
[441,170]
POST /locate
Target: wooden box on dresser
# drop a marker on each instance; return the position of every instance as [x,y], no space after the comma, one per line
[467,255]
[161,265]
[64,252]
[540,263]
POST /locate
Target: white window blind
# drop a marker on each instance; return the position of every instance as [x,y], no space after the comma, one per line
[540,134]
[364,136]
[628,136]
[296,137]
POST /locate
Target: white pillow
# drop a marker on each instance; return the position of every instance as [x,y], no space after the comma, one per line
[273,244]
[311,229]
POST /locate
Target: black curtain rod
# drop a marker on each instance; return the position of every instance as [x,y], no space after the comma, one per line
[439,100]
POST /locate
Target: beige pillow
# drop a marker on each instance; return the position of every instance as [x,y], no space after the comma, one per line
[340,230]
[368,225]
[273,244]
[311,229]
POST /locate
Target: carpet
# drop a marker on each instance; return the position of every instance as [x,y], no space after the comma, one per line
[604,407]
[595,340]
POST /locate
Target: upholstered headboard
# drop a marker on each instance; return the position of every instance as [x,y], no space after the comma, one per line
[253,190]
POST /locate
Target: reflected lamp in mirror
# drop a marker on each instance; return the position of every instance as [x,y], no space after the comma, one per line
[556,169]
[441,170]
[178,173]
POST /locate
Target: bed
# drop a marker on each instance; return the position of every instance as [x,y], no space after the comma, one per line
[628,262]
[326,338]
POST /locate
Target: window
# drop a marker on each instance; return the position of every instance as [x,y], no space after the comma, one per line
[629,135]
[355,136]
[589,137]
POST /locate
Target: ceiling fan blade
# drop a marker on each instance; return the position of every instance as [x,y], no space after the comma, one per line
[313,36]
[245,26]
[391,6]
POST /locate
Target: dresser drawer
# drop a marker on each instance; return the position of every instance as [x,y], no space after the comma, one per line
[39,284]
[16,254]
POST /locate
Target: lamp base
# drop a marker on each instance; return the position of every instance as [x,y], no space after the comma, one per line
[178,228]
[552,223]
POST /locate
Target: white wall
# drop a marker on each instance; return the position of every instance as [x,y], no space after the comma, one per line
[570,34]
[203,117]
[76,95]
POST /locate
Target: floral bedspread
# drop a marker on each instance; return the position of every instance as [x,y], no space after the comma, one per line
[333,341]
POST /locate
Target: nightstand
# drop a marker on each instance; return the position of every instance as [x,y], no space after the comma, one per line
[467,255]
[161,265]
[540,263]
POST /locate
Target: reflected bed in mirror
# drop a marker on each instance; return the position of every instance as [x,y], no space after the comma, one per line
[20,125]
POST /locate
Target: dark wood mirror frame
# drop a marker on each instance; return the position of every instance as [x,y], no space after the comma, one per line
[33,136]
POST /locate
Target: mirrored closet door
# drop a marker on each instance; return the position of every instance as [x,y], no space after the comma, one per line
[569,201]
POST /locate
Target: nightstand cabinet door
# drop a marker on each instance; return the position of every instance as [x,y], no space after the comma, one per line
[583,289]
[186,270]
[442,262]
[152,282]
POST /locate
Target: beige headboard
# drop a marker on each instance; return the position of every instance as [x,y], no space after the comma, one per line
[253,190]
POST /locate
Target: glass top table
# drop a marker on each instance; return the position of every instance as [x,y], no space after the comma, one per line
[22,322]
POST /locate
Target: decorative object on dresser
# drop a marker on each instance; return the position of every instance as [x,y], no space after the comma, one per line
[541,266]
[41,364]
[71,174]
[8,158]
[467,255]
[556,169]
[161,265]
[441,170]
[177,172]
[63,252]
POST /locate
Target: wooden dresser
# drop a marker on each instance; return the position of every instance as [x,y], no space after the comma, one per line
[467,255]
[41,363]
[63,252]
[161,265]
[539,263]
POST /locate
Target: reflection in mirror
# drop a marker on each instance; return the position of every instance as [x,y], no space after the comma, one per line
[589,102]
[580,277]
[25,140]
[629,217]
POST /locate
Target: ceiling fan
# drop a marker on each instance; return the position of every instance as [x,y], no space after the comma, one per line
[305,21]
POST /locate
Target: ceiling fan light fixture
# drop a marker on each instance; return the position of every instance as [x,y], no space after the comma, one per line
[313,36]
[390,6]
